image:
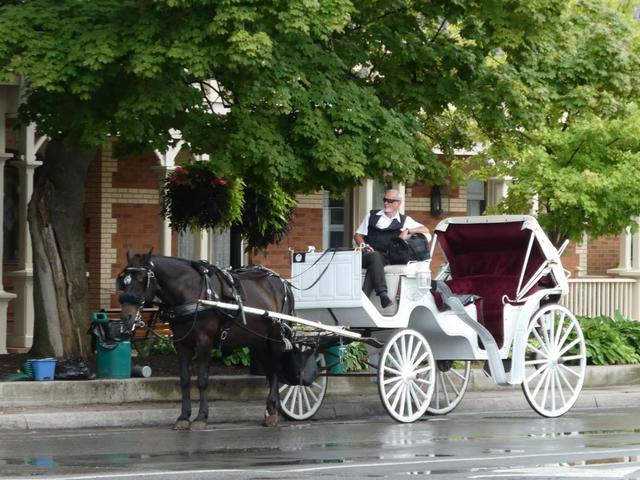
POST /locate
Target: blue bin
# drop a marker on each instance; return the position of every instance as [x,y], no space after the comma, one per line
[44,369]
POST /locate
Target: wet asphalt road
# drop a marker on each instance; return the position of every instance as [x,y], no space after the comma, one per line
[582,444]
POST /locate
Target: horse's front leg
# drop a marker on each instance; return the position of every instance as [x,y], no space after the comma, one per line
[271,415]
[184,357]
[203,361]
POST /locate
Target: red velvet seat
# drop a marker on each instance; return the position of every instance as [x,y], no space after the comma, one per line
[491,288]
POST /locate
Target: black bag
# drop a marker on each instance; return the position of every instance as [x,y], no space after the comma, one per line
[73,370]
[414,248]
[299,368]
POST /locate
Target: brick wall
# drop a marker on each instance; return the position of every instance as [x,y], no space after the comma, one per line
[121,208]
[603,254]
[93,229]
[306,230]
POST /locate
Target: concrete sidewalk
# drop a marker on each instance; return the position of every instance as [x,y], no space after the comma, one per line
[155,401]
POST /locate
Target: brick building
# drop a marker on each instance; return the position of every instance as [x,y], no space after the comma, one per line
[122,208]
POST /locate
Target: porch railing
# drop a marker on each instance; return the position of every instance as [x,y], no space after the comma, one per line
[596,296]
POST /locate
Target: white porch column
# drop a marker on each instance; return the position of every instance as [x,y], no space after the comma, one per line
[5,297]
[22,336]
[167,165]
[635,249]
[201,245]
[629,265]
[363,202]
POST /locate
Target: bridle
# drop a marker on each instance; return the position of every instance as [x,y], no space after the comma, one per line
[125,279]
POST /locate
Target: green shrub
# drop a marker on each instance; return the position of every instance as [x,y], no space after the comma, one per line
[241,356]
[355,357]
[611,341]
[155,345]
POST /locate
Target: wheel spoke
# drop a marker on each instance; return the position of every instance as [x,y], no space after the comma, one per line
[393,390]
[392,370]
[409,352]
[419,360]
[545,329]
[571,357]
[570,370]
[540,341]
[453,386]
[396,360]
[565,335]
[545,389]
[540,382]
[437,388]
[539,352]
[305,397]
[536,362]
[403,351]
[536,372]
[408,400]
[556,376]
[289,393]
[422,380]
[559,329]
[566,381]
[568,347]
[422,370]
[414,387]
[389,380]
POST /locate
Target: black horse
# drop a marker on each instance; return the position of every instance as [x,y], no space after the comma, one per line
[178,284]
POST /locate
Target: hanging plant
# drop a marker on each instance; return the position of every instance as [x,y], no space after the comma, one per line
[267,216]
[194,197]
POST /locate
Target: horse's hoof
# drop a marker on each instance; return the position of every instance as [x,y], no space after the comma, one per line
[198,425]
[182,425]
[271,420]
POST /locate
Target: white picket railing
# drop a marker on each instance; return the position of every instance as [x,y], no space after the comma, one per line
[593,296]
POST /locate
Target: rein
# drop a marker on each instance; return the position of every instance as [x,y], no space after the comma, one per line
[321,273]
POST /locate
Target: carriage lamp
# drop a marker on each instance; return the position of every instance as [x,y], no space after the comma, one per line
[439,200]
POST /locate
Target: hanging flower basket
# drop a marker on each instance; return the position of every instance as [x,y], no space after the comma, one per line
[266,217]
[194,197]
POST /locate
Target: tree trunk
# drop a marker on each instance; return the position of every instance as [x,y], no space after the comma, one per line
[56,221]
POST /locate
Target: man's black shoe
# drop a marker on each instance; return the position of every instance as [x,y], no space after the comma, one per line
[385,301]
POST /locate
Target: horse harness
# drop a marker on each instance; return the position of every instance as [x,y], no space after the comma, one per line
[189,311]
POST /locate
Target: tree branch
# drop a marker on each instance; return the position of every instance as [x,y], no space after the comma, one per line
[575,151]
[444,22]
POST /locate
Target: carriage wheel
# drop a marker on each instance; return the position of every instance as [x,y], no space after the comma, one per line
[555,361]
[451,384]
[406,376]
[299,402]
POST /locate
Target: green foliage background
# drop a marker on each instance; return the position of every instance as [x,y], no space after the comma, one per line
[326,94]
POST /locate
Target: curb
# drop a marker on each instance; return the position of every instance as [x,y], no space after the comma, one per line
[356,407]
[236,387]
[155,401]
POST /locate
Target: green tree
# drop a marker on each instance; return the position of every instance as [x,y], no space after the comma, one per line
[570,137]
[321,94]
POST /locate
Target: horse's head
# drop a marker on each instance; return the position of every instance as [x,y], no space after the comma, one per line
[138,285]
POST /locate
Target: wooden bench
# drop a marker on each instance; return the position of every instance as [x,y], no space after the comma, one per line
[141,334]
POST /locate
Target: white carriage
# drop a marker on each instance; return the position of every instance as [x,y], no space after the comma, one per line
[495,299]
[505,280]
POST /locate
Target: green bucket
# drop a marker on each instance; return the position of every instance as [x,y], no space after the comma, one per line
[335,359]
[114,362]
